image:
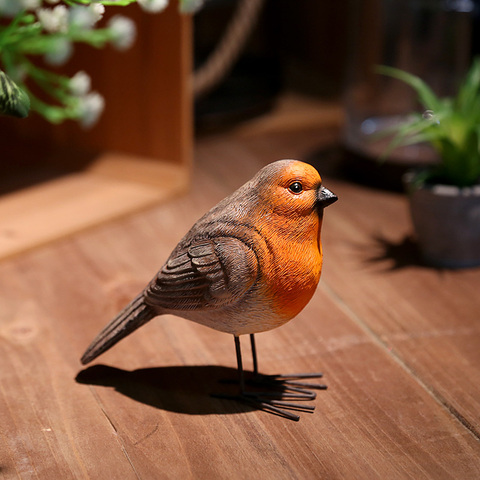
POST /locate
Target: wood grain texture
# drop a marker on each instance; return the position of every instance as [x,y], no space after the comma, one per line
[111,187]
[398,346]
[427,318]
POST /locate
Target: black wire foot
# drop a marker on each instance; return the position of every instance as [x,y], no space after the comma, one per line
[271,405]
[278,393]
[294,385]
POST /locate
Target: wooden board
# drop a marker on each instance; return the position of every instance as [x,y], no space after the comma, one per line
[428,319]
[396,369]
[111,187]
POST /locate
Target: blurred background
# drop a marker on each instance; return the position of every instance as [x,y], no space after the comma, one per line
[299,47]
[329,51]
[322,53]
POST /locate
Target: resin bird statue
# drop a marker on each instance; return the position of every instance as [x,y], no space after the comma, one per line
[249,265]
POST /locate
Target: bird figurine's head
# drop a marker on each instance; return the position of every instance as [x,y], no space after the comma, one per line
[293,189]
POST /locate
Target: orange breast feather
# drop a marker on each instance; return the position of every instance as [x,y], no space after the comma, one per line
[294,267]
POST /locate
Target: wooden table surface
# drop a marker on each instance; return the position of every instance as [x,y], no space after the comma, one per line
[398,342]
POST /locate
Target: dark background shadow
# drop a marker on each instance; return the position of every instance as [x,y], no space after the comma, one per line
[180,389]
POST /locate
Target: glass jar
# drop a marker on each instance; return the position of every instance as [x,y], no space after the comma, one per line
[429,38]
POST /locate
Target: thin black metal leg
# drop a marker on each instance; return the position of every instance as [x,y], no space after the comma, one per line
[238,351]
[281,390]
[254,354]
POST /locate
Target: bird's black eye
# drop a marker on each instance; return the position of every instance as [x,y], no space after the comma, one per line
[295,187]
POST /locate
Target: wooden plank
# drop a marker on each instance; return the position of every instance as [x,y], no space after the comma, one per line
[152,404]
[427,317]
[293,113]
[147,412]
[111,187]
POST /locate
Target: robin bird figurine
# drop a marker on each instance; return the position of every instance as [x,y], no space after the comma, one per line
[249,265]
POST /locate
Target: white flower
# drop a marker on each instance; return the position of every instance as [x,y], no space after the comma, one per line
[123,32]
[85,17]
[9,8]
[30,4]
[90,108]
[60,52]
[80,84]
[153,6]
[54,19]
[98,10]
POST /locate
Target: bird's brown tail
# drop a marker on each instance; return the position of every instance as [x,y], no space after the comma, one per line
[133,316]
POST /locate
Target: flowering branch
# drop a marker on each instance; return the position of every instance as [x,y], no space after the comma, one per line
[50,29]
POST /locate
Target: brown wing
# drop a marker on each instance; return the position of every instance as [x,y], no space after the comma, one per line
[208,273]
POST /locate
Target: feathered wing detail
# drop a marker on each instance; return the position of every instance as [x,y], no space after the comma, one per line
[133,316]
[207,273]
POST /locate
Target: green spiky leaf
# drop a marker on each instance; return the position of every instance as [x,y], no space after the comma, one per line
[13,100]
[425,94]
[450,125]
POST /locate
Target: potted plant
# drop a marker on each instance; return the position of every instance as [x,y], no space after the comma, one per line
[445,198]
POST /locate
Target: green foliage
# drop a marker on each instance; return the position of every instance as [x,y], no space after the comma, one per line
[450,125]
[50,29]
[13,100]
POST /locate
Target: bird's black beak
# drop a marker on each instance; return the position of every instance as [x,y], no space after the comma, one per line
[325,197]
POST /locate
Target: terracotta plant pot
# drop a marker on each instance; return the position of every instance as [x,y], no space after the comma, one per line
[447,223]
